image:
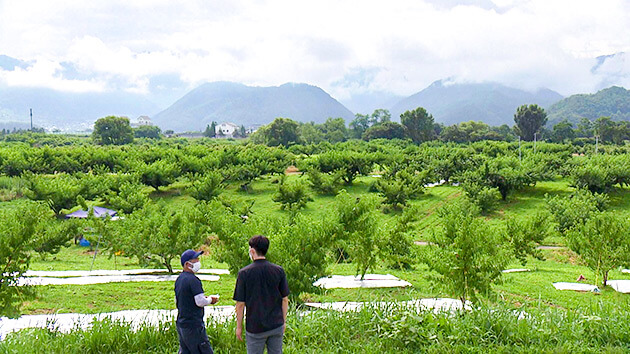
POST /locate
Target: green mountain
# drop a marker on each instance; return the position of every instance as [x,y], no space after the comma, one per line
[491,103]
[247,105]
[612,102]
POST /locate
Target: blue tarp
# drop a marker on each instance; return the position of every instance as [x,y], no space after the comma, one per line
[99,212]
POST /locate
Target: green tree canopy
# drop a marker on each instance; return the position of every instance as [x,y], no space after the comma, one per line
[529,120]
[418,124]
[112,130]
[148,131]
[387,130]
[282,131]
[563,131]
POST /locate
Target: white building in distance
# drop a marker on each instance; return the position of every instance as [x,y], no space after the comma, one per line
[225,129]
[142,121]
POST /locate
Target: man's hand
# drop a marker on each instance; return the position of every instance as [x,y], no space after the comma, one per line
[239,333]
[214,299]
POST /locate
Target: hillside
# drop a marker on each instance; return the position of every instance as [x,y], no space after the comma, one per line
[246,105]
[492,103]
[68,109]
[612,102]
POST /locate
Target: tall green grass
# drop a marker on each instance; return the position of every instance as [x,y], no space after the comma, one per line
[393,329]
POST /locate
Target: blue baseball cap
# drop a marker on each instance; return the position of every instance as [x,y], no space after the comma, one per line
[188,255]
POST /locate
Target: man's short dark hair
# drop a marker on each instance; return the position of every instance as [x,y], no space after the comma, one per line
[260,244]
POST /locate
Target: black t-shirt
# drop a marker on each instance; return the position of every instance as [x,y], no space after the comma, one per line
[189,314]
[261,286]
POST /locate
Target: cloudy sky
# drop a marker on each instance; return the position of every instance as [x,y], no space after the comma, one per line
[345,47]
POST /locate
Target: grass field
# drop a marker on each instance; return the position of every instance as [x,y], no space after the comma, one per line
[561,321]
[532,289]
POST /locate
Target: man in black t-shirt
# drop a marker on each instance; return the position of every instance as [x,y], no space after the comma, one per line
[190,301]
[262,289]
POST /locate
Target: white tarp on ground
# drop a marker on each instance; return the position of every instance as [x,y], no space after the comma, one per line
[622,286]
[574,286]
[435,304]
[65,322]
[102,279]
[99,272]
[369,281]
[517,270]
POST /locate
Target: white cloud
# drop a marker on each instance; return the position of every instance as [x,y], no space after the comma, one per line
[122,44]
[46,73]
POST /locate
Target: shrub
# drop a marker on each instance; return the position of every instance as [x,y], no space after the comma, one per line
[155,235]
[323,183]
[525,235]
[570,211]
[21,232]
[602,242]
[292,196]
[485,198]
[129,198]
[464,253]
[206,187]
[396,247]
[398,188]
[357,229]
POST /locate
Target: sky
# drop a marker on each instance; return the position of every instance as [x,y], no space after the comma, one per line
[346,47]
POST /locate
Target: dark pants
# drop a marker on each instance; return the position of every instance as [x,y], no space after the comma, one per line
[193,340]
[272,339]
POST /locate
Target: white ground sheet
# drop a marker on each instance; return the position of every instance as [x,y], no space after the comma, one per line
[67,321]
[83,273]
[574,286]
[436,304]
[517,270]
[369,281]
[622,286]
[102,279]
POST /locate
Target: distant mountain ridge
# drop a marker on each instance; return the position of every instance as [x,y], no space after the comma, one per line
[247,105]
[613,102]
[492,103]
[68,109]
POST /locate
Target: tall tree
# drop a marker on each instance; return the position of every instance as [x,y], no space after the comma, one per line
[418,124]
[334,130]
[359,125]
[112,130]
[282,131]
[563,131]
[529,120]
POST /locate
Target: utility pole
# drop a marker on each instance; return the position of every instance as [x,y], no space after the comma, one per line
[31,119]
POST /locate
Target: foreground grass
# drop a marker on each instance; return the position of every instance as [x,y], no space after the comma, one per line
[394,329]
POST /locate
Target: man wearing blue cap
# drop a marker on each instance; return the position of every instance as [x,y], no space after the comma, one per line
[190,301]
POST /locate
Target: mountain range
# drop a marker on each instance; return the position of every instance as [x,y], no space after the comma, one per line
[449,102]
[247,105]
[492,103]
[613,102]
[52,108]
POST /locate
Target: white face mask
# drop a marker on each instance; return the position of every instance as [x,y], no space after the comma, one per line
[195,267]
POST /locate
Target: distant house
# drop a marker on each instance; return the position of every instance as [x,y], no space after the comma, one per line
[226,129]
[252,128]
[142,121]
